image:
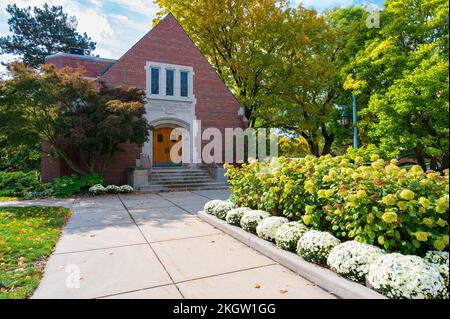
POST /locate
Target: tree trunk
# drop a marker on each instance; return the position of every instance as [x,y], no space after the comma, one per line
[421,162]
[328,143]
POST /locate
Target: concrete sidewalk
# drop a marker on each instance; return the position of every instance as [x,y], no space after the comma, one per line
[153,246]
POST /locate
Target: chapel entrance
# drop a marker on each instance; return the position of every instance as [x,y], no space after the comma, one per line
[163,141]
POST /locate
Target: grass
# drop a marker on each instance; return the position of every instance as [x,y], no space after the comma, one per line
[27,237]
[7,199]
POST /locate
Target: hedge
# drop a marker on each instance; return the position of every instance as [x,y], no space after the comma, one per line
[373,202]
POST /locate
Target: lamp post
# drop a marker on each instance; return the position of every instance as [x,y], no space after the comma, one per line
[355,122]
[345,120]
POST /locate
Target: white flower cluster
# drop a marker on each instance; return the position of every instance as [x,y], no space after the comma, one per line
[126,189]
[437,257]
[353,259]
[441,261]
[250,219]
[97,189]
[221,209]
[113,189]
[267,228]
[314,246]
[234,216]
[288,234]
[411,277]
[209,206]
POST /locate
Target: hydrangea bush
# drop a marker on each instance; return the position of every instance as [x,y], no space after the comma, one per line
[267,228]
[288,235]
[234,216]
[411,277]
[353,259]
[371,201]
[251,218]
[314,246]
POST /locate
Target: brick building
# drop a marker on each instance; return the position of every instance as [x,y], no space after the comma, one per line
[182,89]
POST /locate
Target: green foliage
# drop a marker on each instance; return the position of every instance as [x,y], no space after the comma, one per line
[41,32]
[374,202]
[18,184]
[293,147]
[83,124]
[27,237]
[401,74]
[74,185]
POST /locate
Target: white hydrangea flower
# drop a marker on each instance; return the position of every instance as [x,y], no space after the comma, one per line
[209,206]
[314,246]
[353,259]
[126,189]
[97,189]
[288,234]
[440,259]
[267,228]
[411,277]
[113,189]
[251,219]
[234,216]
[221,209]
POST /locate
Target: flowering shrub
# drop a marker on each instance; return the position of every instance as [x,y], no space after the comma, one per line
[437,257]
[314,246]
[352,259]
[209,206]
[288,234]
[250,219]
[374,202]
[126,189]
[234,216]
[97,189]
[267,228]
[440,259]
[398,276]
[112,189]
[221,209]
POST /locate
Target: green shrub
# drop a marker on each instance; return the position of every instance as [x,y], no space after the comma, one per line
[19,184]
[74,184]
[370,201]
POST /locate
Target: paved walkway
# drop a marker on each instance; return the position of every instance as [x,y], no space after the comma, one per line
[153,246]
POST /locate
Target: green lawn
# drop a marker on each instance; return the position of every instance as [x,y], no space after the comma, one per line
[27,238]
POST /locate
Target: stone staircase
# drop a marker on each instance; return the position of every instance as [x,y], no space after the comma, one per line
[166,179]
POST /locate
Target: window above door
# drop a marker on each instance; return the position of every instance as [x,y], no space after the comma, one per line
[169,81]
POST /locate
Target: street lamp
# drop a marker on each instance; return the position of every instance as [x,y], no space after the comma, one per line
[345,120]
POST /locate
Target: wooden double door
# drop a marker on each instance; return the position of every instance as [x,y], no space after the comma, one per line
[163,141]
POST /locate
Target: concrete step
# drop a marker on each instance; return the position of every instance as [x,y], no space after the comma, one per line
[185,179]
[184,187]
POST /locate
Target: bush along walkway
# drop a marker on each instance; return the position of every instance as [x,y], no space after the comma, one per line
[27,237]
[154,246]
[367,220]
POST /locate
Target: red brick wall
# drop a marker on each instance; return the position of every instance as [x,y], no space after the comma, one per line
[168,43]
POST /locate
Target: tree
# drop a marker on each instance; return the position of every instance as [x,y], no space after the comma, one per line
[241,40]
[404,71]
[84,125]
[41,32]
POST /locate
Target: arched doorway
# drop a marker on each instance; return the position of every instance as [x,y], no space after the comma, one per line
[164,139]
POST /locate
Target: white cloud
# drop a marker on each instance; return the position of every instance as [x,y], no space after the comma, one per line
[325,4]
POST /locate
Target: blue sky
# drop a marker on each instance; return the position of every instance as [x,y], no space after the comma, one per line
[117,24]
